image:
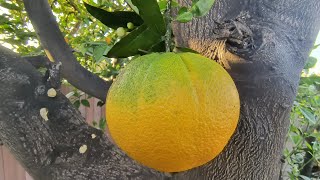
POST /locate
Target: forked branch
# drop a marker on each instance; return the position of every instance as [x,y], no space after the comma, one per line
[53,42]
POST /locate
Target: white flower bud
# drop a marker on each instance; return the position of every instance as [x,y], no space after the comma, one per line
[83,149]
[44,113]
[52,92]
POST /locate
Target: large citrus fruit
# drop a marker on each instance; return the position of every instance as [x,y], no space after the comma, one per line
[172,112]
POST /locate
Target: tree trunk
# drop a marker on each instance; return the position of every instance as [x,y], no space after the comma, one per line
[267,77]
[50,149]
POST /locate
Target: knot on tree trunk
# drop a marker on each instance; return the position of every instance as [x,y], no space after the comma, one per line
[53,75]
[236,33]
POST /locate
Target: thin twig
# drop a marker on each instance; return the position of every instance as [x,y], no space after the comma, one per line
[169,30]
[187,3]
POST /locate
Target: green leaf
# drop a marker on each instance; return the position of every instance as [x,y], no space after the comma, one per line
[148,35]
[99,51]
[133,7]
[151,15]
[114,19]
[163,4]
[77,104]
[100,103]
[96,43]
[316,46]
[304,177]
[307,114]
[294,129]
[102,124]
[4,20]
[183,10]
[159,47]
[94,124]
[137,42]
[184,15]
[296,139]
[82,48]
[201,7]
[315,135]
[310,80]
[312,61]
[183,49]
[76,93]
[85,103]
[308,145]
[10,6]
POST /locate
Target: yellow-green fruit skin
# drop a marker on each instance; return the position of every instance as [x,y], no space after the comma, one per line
[172,111]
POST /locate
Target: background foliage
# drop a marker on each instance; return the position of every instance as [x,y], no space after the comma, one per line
[302,153]
[91,42]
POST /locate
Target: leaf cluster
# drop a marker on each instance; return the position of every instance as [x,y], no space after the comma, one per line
[304,132]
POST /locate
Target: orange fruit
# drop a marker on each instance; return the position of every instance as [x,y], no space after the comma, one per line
[172,111]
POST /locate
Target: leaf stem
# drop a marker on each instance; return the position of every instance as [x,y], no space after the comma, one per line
[168,38]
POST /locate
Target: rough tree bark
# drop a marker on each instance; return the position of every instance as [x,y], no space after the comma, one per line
[266,76]
[50,149]
[267,79]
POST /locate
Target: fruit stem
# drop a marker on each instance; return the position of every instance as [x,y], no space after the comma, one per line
[168,23]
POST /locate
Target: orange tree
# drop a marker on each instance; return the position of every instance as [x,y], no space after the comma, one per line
[262,44]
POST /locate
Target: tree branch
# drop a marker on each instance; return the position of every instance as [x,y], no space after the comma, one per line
[38,61]
[50,149]
[168,35]
[53,41]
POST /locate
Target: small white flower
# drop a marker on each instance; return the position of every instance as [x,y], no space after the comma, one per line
[114,60]
[83,149]
[44,113]
[52,92]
